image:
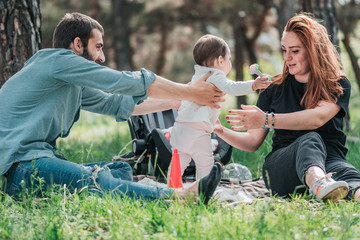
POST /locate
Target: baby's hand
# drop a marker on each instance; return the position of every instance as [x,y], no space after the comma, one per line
[261,83]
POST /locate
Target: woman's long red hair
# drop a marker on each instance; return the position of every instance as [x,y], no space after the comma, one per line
[323,58]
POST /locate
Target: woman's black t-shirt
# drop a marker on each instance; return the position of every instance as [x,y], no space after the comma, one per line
[286,98]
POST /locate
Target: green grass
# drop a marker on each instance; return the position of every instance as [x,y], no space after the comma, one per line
[61,215]
[82,217]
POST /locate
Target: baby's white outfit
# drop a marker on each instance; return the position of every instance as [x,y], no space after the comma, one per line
[191,134]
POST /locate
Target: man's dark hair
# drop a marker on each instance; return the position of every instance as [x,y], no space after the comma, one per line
[74,25]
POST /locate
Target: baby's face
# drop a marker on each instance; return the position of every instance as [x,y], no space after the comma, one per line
[226,64]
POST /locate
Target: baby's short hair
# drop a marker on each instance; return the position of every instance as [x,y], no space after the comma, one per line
[208,48]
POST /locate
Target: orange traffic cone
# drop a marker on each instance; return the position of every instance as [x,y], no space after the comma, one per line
[175,171]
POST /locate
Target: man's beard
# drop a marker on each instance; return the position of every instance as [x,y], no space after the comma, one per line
[88,56]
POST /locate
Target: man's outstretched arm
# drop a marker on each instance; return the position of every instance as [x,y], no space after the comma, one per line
[152,105]
[201,92]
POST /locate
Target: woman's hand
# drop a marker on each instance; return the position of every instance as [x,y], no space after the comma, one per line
[251,117]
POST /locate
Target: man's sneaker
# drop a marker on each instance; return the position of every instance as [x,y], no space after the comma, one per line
[327,188]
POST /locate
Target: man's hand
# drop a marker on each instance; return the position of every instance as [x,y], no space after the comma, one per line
[205,93]
[175,104]
[201,92]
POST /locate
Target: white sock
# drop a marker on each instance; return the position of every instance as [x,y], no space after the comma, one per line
[313,173]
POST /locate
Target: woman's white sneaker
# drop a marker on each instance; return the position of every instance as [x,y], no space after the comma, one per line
[327,188]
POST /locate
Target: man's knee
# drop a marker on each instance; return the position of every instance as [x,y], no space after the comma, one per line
[121,170]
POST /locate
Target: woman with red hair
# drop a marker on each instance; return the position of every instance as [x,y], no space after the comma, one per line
[305,106]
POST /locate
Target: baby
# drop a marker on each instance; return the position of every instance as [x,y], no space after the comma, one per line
[191,134]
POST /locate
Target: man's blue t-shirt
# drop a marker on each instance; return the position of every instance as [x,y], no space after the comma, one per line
[41,102]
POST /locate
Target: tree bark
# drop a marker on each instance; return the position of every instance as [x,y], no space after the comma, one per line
[164,31]
[352,56]
[122,33]
[347,23]
[243,43]
[239,29]
[325,10]
[285,11]
[95,10]
[19,33]
[259,26]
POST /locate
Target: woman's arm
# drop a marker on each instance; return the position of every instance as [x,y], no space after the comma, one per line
[251,117]
[247,141]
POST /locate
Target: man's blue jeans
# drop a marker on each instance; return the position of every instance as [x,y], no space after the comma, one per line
[105,177]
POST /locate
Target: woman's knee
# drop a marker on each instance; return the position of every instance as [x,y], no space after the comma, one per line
[312,137]
[312,143]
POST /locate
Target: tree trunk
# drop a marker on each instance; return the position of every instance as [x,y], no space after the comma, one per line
[352,56]
[19,33]
[285,11]
[243,43]
[121,40]
[347,23]
[95,10]
[325,10]
[259,26]
[239,29]
[160,63]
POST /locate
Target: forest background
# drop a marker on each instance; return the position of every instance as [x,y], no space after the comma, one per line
[159,34]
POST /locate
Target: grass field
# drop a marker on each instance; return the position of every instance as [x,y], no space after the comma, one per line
[61,215]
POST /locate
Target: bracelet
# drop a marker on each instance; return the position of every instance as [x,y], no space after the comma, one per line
[266,126]
[272,121]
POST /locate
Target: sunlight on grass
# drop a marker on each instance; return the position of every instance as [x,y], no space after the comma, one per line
[92,126]
[95,138]
[65,216]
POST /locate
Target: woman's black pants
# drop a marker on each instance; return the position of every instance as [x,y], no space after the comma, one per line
[284,169]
